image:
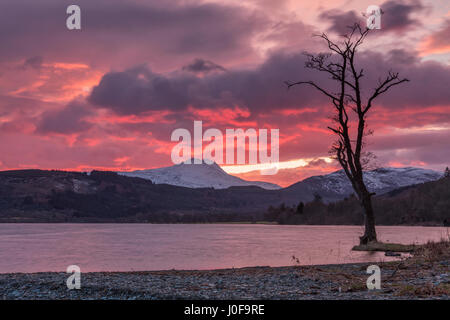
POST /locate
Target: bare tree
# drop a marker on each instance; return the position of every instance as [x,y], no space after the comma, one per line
[339,64]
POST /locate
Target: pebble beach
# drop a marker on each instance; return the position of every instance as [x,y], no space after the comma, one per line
[348,281]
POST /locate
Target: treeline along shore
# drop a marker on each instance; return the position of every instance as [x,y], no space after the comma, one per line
[60,196]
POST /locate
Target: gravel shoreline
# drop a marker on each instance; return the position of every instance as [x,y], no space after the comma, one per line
[346,281]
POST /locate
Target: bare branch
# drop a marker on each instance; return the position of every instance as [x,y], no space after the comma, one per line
[391,80]
[291,84]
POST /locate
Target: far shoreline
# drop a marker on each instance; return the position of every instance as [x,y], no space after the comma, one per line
[274,223]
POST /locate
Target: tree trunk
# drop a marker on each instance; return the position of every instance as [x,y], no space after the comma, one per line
[369,220]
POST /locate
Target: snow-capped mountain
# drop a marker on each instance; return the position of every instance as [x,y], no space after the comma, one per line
[335,186]
[196,176]
[331,187]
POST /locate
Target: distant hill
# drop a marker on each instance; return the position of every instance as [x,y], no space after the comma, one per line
[196,176]
[59,196]
[335,186]
[331,187]
[421,204]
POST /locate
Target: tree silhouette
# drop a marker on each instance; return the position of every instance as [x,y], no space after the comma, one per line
[348,150]
[300,208]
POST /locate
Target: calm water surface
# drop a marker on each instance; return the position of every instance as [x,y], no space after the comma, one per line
[127,247]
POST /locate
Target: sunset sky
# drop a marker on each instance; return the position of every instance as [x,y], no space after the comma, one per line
[108,96]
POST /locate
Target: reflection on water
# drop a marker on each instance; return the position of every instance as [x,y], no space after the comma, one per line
[127,247]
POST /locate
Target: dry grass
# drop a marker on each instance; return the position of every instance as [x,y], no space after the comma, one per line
[431,248]
[354,285]
[433,251]
[425,262]
[380,246]
[423,291]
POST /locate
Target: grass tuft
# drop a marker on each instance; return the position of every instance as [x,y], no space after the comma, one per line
[380,246]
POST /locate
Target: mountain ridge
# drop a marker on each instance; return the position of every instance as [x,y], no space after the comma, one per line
[196,176]
[336,186]
[104,196]
[331,187]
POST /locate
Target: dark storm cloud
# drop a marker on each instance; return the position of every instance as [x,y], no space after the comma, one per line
[262,89]
[403,57]
[33,62]
[139,89]
[70,119]
[203,66]
[341,20]
[430,147]
[428,84]
[397,16]
[151,30]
